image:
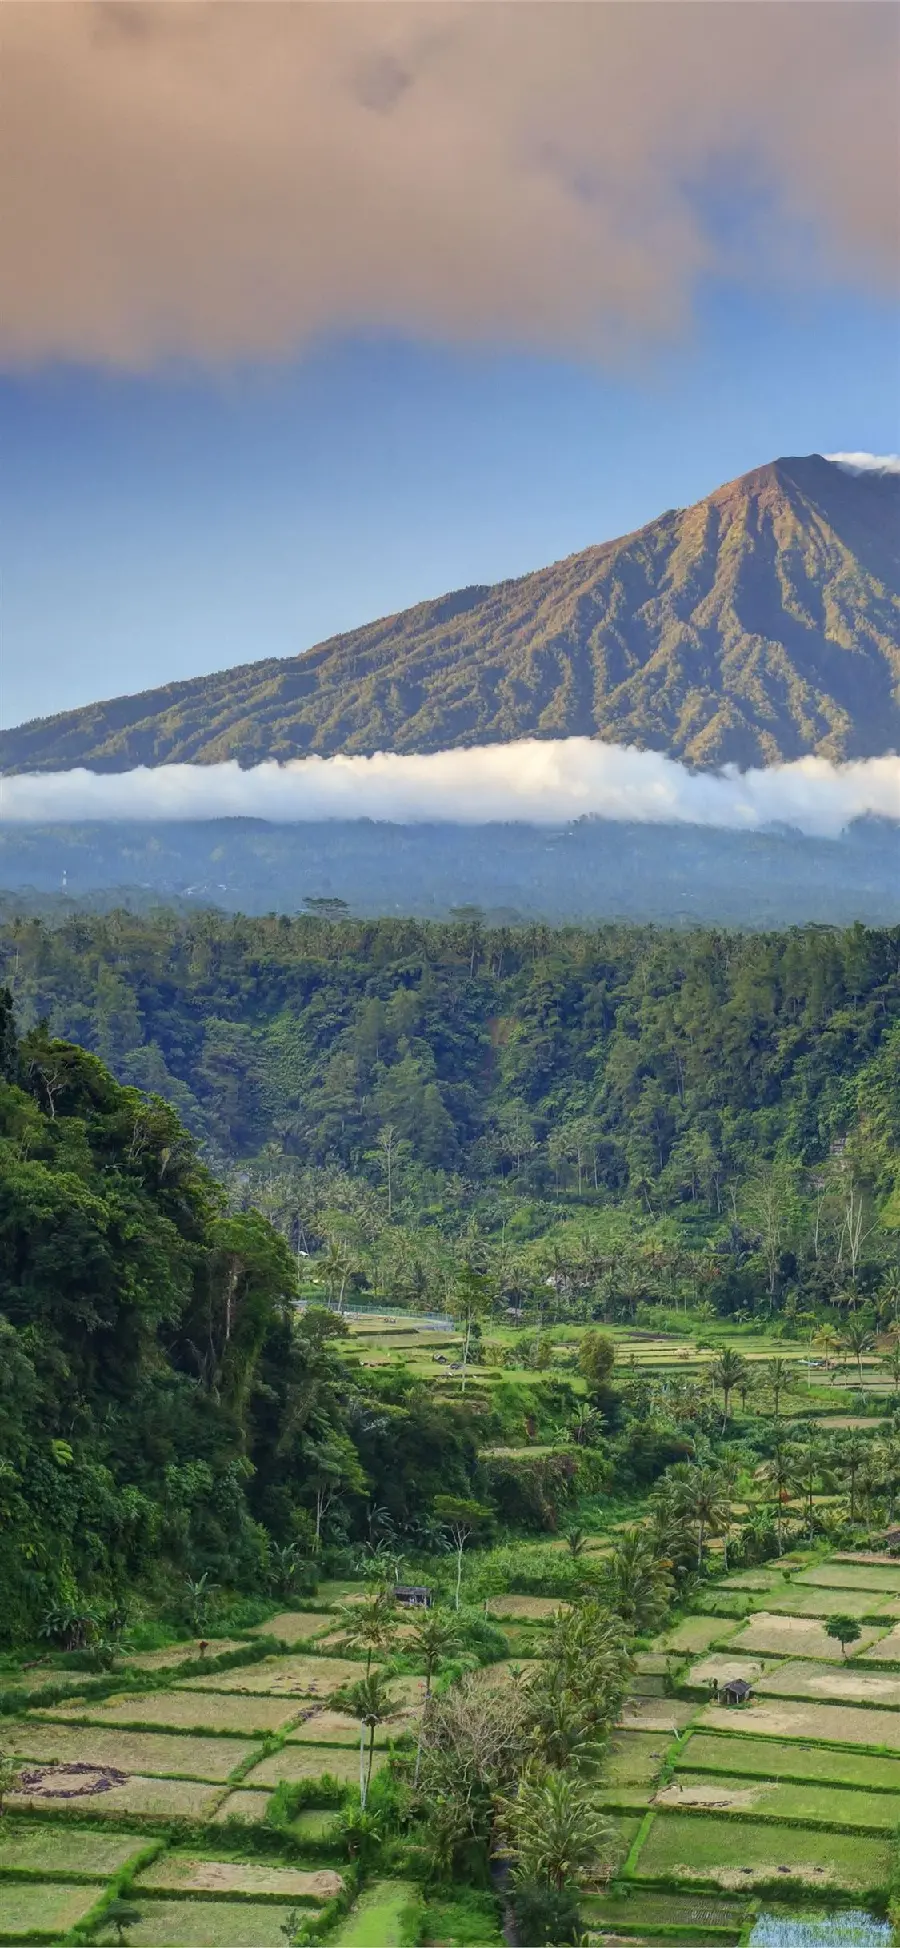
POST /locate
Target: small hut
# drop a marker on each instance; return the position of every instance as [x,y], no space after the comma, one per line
[736,1691]
[413,1596]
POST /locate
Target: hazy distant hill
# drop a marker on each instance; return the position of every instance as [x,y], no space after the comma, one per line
[762,623]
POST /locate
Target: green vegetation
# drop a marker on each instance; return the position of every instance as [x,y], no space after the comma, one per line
[700,1847]
[596,645]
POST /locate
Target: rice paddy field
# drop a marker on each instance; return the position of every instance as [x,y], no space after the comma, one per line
[165,1791]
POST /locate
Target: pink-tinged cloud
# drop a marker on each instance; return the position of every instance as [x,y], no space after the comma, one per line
[231,180]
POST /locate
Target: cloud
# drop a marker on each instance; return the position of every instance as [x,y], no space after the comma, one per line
[215,182]
[866,462]
[533,782]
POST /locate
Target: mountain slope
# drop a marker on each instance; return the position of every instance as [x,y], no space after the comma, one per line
[762,623]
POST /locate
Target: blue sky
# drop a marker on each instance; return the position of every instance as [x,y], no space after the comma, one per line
[335,309]
[158,527]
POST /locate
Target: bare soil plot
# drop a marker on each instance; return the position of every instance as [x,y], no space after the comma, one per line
[720,1667]
[697,1633]
[337,1728]
[207,1924]
[532,1609]
[312,1762]
[634,1758]
[248,1807]
[282,1677]
[295,1626]
[29,1907]
[190,1711]
[175,1654]
[188,1873]
[833,1724]
[655,1714]
[691,1846]
[853,1576]
[796,1637]
[886,1649]
[843,1682]
[796,1600]
[129,1796]
[759,1758]
[43,1849]
[155,1753]
[813,1804]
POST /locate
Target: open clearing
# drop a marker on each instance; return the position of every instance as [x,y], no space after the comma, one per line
[294,1626]
[796,1637]
[312,1762]
[276,1677]
[636,1909]
[696,1634]
[532,1609]
[207,1924]
[173,1756]
[30,1907]
[811,1805]
[794,1600]
[43,1849]
[886,1649]
[718,1668]
[760,1758]
[248,1807]
[634,1758]
[381,1917]
[169,1660]
[832,1724]
[655,1714]
[136,1797]
[853,1576]
[691,1846]
[844,1683]
[186,1873]
[191,1711]
[338,1728]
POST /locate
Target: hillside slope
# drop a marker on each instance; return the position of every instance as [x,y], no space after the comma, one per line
[761,623]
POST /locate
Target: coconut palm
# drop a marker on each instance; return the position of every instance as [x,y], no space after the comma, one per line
[858,1339]
[704,1502]
[727,1374]
[828,1341]
[780,1378]
[367,1700]
[635,1582]
[554,1830]
[850,1455]
[368,1625]
[779,1474]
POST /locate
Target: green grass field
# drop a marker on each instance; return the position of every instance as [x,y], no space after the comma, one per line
[148,1753]
[206,1924]
[192,1711]
[763,1758]
[813,1804]
[696,1846]
[781,1636]
[697,1633]
[385,1916]
[35,1909]
[634,1758]
[44,1850]
[853,1576]
[633,1910]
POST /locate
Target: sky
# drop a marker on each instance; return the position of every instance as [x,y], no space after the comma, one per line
[309,312]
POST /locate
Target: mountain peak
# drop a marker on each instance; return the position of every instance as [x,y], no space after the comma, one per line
[759,624]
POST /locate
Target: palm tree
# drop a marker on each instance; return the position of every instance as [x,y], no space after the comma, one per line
[555,1831]
[778,1473]
[705,1503]
[726,1374]
[635,1582]
[368,1700]
[858,1339]
[781,1378]
[828,1342]
[851,1455]
[576,1542]
[368,1625]
[434,1638]
[892,1362]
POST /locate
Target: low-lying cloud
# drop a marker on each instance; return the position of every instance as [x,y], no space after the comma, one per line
[532,782]
[866,462]
[212,182]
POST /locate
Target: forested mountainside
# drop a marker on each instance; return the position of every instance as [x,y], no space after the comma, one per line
[584,872]
[615,1063]
[759,624]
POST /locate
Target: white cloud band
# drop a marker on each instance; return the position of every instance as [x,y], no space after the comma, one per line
[544,783]
[866,462]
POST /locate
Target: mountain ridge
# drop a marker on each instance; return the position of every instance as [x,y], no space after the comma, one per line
[757,625]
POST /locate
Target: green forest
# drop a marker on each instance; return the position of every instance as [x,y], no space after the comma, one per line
[555,1275]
